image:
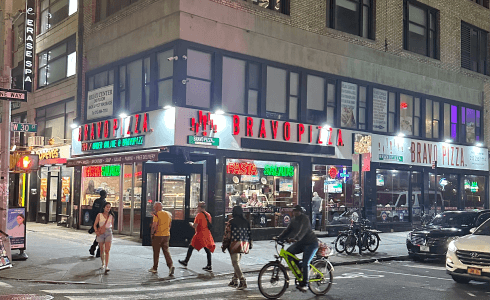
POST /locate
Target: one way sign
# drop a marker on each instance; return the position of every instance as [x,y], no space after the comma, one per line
[13,95]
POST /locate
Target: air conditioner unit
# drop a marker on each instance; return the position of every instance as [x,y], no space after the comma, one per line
[35,141]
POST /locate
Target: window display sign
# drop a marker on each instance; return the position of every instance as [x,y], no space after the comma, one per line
[65,189]
[380,110]
[286,185]
[16,227]
[273,170]
[241,169]
[333,186]
[103,171]
[99,102]
[348,110]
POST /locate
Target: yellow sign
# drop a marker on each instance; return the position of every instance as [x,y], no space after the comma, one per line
[49,153]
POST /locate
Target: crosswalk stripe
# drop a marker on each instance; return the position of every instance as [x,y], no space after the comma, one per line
[143,289]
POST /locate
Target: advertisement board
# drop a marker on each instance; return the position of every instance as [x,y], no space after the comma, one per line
[16,227]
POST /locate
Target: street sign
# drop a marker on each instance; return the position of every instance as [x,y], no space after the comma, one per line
[23,127]
[13,95]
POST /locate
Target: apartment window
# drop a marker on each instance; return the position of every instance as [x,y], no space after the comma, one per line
[164,80]
[420,29]
[483,3]
[101,79]
[55,11]
[384,110]
[276,94]
[57,63]
[432,119]
[353,106]
[281,6]
[474,49]
[54,120]
[239,91]
[470,125]
[105,8]
[409,115]
[351,16]
[198,83]
[320,100]
[132,78]
[450,122]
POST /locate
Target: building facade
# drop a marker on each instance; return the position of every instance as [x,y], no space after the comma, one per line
[377,106]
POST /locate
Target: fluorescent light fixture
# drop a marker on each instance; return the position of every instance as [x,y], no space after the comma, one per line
[167,107]
[123,115]
[74,125]
[479,144]
[326,126]
[219,112]
[448,141]
[401,134]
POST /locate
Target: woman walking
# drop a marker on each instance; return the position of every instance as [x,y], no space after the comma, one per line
[202,238]
[238,241]
[105,219]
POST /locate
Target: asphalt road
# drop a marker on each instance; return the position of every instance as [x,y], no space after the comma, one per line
[387,280]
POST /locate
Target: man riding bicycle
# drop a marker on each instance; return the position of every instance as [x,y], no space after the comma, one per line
[299,231]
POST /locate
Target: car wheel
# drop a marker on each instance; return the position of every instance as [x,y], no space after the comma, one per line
[460,279]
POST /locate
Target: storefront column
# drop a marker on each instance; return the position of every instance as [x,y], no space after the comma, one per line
[304,190]
[77,208]
[120,213]
[370,195]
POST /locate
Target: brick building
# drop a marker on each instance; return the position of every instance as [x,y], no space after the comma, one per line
[256,101]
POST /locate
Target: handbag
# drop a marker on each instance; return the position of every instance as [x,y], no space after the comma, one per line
[210,226]
[102,228]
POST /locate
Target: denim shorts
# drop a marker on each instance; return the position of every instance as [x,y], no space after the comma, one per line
[106,236]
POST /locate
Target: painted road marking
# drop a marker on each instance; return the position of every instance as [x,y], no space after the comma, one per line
[427,267]
[403,274]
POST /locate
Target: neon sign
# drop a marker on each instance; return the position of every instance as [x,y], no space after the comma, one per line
[273,170]
[241,169]
[114,143]
[332,172]
[103,171]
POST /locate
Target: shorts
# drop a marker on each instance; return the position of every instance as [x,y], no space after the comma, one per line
[105,237]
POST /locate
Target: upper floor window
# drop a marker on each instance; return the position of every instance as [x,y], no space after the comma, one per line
[409,115]
[54,121]
[57,63]
[384,110]
[198,83]
[281,6]
[470,125]
[55,11]
[483,3]
[420,29]
[320,100]
[105,8]
[474,49]
[450,122]
[353,106]
[240,86]
[432,119]
[351,16]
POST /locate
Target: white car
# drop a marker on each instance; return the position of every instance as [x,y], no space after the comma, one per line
[468,257]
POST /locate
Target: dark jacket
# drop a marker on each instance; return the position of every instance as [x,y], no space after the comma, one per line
[238,236]
[97,207]
[300,230]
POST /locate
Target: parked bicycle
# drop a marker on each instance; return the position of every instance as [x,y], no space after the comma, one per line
[359,234]
[274,277]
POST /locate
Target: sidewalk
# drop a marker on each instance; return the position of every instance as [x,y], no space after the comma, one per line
[59,254]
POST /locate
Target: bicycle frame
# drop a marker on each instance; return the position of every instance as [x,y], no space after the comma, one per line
[288,256]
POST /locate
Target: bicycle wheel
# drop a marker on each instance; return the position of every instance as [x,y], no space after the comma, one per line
[364,241]
[350,244]
[340,242]
[273,280]
[373,242]
[320,284]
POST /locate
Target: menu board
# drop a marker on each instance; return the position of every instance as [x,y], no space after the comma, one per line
[348,113]
[380,110]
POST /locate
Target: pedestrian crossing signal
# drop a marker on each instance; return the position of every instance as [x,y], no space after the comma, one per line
[24,163]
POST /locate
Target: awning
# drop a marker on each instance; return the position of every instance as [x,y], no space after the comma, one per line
[114,158]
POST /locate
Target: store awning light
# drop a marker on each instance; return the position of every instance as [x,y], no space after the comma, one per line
[123,115]
[74,125]
[400,134]
[219,112]
[448,141]
[479,144]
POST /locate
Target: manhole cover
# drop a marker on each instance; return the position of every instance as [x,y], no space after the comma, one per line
[26,297]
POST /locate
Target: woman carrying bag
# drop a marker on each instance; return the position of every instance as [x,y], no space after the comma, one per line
[105,220]
[238,241]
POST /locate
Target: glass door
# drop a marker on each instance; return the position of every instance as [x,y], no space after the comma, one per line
[172,195]
[53,195]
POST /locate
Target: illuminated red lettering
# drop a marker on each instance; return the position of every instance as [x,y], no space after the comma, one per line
[319,141]
[80,131]
[310,134]
[106,129]
[287,131]
[330,133]
[250,124]
[457,156]
[130,124]
[412,151]
[340,141]
[241,168]
[262,133]
[92,131]
[444,154]
[462,157]
[419,147]
[85,132]
[137,124]
[236,125]
[274,125]
[146,120]
[425,154]
[452,156]
[301,131]
[115,127]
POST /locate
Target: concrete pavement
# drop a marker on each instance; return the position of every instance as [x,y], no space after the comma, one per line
[60,255]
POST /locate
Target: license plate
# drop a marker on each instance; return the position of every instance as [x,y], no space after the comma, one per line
[424,248]
[474,271]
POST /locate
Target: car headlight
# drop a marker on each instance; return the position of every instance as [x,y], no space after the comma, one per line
[452,246]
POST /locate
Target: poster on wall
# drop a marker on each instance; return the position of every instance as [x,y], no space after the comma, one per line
[380,110]
[285,185]
[348,96]
[16,227]
[44,189]
[65,189]
[100,103]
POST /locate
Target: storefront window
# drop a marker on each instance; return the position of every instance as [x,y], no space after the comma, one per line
[474,192]
[447,192]
[97,178]
[173,195]
[392,195]
[417,197]
[195,195]
[334,184]
[266,190]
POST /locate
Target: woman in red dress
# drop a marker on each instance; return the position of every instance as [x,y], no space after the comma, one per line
[202,238]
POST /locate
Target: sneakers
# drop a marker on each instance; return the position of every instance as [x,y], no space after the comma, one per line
[302,287]
[152,270]
[233,283]
[183,262]
[107,269]
[171,271]
[208,268]
[243,284]
[102,267]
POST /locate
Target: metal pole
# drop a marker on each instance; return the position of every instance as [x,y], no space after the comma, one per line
[435,189]
[5,126]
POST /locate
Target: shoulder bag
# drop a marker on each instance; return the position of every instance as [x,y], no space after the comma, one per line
[210,226]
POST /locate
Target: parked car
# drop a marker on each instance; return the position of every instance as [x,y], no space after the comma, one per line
[431,240]
[468,258]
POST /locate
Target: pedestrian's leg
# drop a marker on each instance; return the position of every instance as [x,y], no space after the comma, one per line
[313,221]
[208,254]
[234,279]
[243,282]
[101,246]
[155,243]
[235,261]
[166,253]
[107,248]
[189,253]
[308,255]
